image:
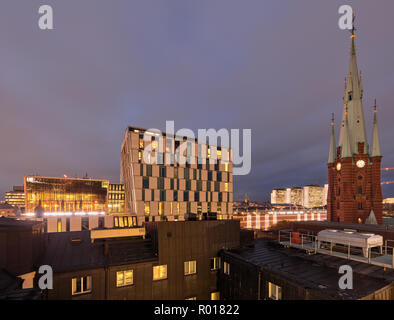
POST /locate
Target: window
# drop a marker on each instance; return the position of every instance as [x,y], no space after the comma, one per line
[160,183]
[162,195]
[160,272]
[186,196]
[149,170]
[175,195]
[215,263]
[274,291]
[215,296]
[81,285]
[226,187]
[162,171]
[226,268]
[190,267]
[145,183]
[124,278]
[191,298]
[146,208]
[59,225]
[161,208]
[188,185]
[186,173]
[226,167]
[196,196]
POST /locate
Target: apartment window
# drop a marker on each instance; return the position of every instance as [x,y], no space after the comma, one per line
[146,208]
[215,263]
[124,278]
[59,225]
[196,196]
[210,175]
[145,183]
[199,185]
[175,195]
[274,291]
[194,174]
[186,173]
[141,169]
[188,185]
[226,268]
[219,176]
[161,208]
[215,296]
[162,171]
[220,197]
[226,167]
[190,267]
[172,184]
[208,186]
[226,187]
[186,196]
[216,186]
[81,285]
[160,272]
[149,170]
[162,195]
[160,183]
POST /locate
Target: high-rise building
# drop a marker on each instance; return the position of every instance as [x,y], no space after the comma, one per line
[278,196]
[314,196]
[16,197]
[167,177]
[354,166]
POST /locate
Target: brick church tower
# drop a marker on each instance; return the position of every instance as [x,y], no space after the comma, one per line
[354,192]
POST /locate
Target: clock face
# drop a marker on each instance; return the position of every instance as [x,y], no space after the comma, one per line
[360,163]
[338,166]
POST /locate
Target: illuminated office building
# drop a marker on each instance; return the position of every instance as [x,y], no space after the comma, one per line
[116,197]
[163,187]
[65,194]
[278,196]
[16,197]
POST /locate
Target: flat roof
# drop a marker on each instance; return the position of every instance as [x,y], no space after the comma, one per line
[66,178]
[317,272]
[346,225]
[70,251]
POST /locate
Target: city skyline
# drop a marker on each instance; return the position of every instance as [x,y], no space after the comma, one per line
[66,101]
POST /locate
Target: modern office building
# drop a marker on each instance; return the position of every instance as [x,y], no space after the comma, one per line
[65,195]
[16,197]
[7,210]
[166,178]
[116,198]
[310,196]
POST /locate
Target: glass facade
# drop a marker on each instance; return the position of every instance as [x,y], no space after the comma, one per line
[116,198]
[66,194]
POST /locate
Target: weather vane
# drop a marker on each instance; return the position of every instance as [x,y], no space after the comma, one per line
[353,27]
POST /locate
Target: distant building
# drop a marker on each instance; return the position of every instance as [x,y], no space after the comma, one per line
[65,195]
[265,219]
[164,187]
[7,210]
[16,197]
[311,196]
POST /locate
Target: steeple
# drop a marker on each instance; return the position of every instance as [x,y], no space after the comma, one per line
[375,143]
[353,102]
[346,151]
[332,152]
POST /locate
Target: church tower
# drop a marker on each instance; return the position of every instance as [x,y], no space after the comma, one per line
[354,193]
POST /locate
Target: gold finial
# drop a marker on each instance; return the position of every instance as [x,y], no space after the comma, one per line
[374,107]
[353,27]
[332,119]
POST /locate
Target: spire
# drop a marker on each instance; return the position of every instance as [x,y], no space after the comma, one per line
[353,102]
[375,147]
[346,150]
[332,153]
[371,218]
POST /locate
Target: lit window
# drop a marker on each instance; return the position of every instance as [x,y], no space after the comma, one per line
[121,225]
[226,268]
[226,187]
[191,298]
[146,208]
[116,222]
[59,225]
[274,291]
[226,167]
[161,208]
[190,267]
[215,296]
[81,285]
[215,263]
[160,272]
[139,155]
[124,278]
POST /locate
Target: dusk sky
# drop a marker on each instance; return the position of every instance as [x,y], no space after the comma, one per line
[276,67]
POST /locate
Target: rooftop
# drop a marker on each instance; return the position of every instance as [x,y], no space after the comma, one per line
[68,251]
[316,272]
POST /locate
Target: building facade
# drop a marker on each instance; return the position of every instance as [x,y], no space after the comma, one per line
[166,178]
[310,196]
[354,166]
[16,197]
[116,198]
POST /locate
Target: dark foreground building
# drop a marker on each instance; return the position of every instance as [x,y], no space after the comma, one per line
[176,260]
[265,270]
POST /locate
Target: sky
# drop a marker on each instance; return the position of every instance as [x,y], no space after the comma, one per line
[275,67]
